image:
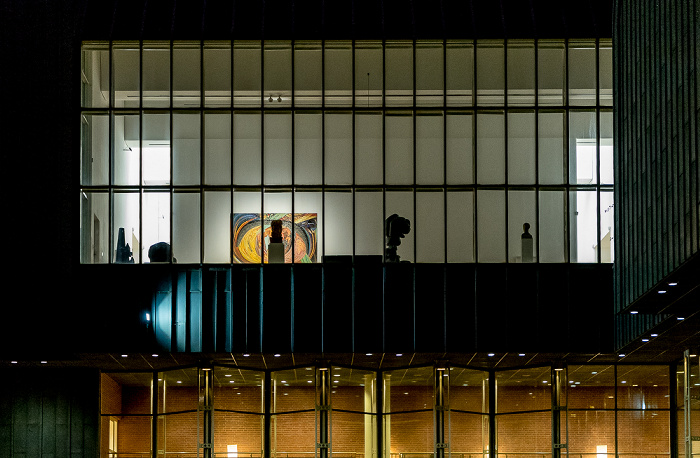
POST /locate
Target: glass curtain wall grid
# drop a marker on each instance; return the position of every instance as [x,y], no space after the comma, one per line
[495,151]
[328,409]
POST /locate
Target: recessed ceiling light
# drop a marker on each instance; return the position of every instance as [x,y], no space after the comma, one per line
[634,312]
[227,375]
[673,284]
[44,362]
[277,355]
[623,381]
[399,354]
[645,340]
[246,354]
[309,381]
[680,318]
[662,291]
[654,335]
[491,354]
[521,354]
[124,356]
[594,372]
[336,381]
[179,381]
[621,355]
[368,354]
[336,375]
[154,355]
[13,362]
[232,381]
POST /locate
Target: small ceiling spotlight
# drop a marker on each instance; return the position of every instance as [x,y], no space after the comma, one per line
[673,283]
[662,291]
[279,99]
[621,355]
[680,318]
[634,312]
[270,99]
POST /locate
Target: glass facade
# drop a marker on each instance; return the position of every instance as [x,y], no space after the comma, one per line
[594,411]
[190,150]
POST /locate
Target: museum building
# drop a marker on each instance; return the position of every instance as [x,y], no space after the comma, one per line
[392,229]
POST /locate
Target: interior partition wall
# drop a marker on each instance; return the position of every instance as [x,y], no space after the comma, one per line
[324,410]
[495,151]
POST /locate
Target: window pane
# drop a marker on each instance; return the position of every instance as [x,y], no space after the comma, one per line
[459,148]
[583,211]
[353,389]
[278,74]
[398,143]
[592,431]
[338,74]
[237,434]
[246,227]
[460,226]
[247,74]
[155,224]
[429,74]
[582,72]
[491,223]
[217,75]
[642,387]
[490,73]
[351,432]
[217,148]
[125,75]
[551,67]
[217,232]
[95,76]
[607,175]
[607,226]
[338,223]
[410,389]
[278,148]
[308,73]
[187,84]
[525,434]
[276,205]
[643,433]
[180,432]
[369,75]
[430,149]
[308,148]
[239,389]
[125,166]
[295,389]
[522,210]
[582,147]
[338,148]
[552,226]
[308,233]
[186,228]
[410,431]
[469,433]
[521,148]
[368,148]
[94,150]
[369,223]
[605,55]
[186,148]
[247,141]
[156,149]
[430,226]
[594,387]
[460,73]
[94,227]
[125,229]
[490,148]
[156,74]
[398,65]
[521,72]
[401,203]
[524,389]
[551,148]
[294,433]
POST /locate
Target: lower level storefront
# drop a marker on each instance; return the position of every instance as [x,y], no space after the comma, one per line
[436,410]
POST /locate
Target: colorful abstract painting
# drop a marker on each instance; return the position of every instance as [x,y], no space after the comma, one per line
[251,236]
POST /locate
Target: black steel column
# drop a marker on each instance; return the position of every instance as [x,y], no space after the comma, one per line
[558,406]
[207,408]
[323,407]
[267,408]
[493,436]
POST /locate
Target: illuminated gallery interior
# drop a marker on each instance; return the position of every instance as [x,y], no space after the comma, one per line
[187,144]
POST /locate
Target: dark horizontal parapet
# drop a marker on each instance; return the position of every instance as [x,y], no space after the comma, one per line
[337,307]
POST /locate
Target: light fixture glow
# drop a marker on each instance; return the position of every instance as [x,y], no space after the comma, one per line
[645,340]
[634,312]
[155,355]
[673,284]
[491,354]
[654,335]
[124,356]
[521,354]
[148,317]
[680,318]
[399,354]
[246,354]
[621,355]
[662,291]
[368,354]
[277,355]
[227,375]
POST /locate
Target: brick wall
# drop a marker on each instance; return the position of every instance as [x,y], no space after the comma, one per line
[639,431]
